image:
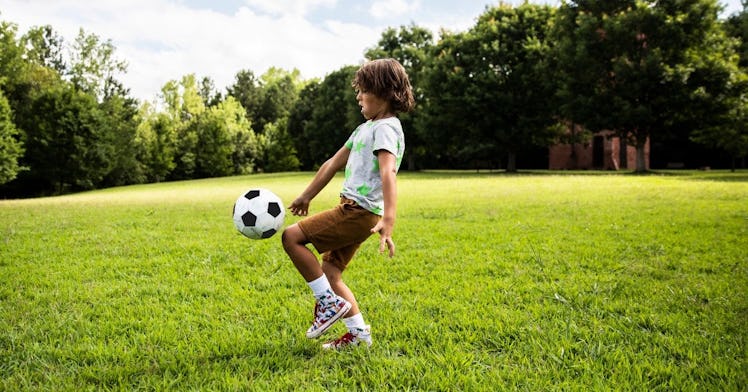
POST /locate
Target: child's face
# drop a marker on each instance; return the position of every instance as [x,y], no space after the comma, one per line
[373,107]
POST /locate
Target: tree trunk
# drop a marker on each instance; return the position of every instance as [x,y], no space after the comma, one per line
[641,163]
[574,157]
[511,164]
[411,162]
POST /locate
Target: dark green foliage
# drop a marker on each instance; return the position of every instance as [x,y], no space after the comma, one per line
[320,128]
[491,86]
[67,148]
[11,148]
[643,69]
[411,46]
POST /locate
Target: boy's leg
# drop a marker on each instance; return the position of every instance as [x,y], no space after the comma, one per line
[329,307]
[358,331]
[334,276]
[294,242]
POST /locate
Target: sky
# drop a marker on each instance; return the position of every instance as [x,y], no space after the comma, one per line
[162,40]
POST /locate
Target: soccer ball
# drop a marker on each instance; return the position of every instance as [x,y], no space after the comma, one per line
[258,213]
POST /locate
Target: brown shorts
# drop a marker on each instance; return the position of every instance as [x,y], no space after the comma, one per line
[338,232]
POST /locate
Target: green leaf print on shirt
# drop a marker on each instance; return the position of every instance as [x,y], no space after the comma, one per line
[363,190]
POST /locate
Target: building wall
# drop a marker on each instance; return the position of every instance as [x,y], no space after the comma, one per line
[602,152]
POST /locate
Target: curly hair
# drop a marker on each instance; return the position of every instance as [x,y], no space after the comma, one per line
[387,79]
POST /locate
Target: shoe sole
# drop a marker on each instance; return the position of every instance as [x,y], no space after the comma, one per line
[363,343]
[324,327]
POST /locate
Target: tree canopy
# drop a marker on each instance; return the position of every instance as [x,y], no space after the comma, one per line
[520,79]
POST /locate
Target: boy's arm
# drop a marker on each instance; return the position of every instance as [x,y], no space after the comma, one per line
[326,172]
[386,225]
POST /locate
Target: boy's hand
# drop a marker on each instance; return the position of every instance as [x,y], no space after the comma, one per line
[299,207]
[385,237]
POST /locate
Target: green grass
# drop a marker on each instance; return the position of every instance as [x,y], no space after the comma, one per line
[574,281]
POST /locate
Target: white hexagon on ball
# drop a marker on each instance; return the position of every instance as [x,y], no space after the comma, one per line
[258,213]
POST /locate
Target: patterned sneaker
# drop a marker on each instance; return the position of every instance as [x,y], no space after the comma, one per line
[326,313]
[362,336]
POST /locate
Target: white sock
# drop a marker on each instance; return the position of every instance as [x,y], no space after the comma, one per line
[320,286]
[355,322]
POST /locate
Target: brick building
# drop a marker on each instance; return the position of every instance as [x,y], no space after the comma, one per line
[604,151]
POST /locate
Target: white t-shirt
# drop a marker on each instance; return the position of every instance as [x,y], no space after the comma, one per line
[363,183]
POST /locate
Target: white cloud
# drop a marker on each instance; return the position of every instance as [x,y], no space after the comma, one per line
[288,7]
[162,40]
[389,8]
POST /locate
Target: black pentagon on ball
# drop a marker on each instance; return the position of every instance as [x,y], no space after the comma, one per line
[252,194]
[249,219]
[268,233]
[274,209]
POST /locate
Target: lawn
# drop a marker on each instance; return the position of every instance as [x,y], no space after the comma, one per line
[538,281]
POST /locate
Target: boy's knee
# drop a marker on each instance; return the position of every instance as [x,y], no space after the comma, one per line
[292,235]
[286,238]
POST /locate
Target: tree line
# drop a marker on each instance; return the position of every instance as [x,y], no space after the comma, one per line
[521,78]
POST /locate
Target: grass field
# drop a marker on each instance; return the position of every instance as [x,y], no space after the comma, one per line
[501,282]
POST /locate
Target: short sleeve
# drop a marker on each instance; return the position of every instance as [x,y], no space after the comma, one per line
[386,138]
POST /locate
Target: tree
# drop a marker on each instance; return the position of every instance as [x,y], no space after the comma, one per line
[185,107]
[93,65]
[11,67]
[299,119]
[718,104]
[279,151]
[11,149]
[447,113]
[730,132]
[67,148]
[491,86]
[218,153]
[155,143]
[120,122]
[209,94]
[411,46]
[69,145]
[269,102]
[247,91]
[636,61]
[44,47]
[189,140]
[280,92]
[737,26]
[329,112]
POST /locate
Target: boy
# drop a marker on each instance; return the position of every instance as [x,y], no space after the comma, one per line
[368,204]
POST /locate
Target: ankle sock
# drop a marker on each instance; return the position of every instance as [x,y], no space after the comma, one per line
[320,286]
[354,323]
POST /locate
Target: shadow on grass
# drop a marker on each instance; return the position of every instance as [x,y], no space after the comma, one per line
[504,173]
[733,177]
[701,175]
[698,175]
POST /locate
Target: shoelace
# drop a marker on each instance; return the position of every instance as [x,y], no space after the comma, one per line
[343,340]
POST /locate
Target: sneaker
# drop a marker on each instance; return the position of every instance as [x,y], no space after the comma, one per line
[361,336]
[326,314]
